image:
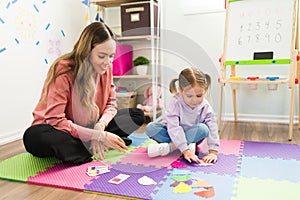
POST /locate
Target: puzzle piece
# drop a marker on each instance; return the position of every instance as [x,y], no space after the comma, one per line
[182,188]
[200,183]
[177,164]
[206,193]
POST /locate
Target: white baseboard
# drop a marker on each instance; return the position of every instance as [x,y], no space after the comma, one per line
[283,119]
[10,137]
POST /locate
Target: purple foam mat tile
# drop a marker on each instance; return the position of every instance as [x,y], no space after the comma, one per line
[130,168]
[226,164]
[222,184]
[271,150]
[130,187]
[267,168]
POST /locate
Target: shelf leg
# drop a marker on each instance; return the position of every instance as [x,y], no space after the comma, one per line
[234,104]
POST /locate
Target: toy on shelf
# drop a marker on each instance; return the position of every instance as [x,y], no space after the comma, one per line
[253,86]
[235,86]
[148,102]
[272,86]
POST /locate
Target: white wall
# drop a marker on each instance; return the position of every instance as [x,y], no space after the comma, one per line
[187,40]
[30,47]
[193,35]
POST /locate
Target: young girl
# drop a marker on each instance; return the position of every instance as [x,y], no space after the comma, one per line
[189,119]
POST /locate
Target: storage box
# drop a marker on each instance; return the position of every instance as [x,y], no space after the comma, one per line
[126,100]
[122,63]
[136,19]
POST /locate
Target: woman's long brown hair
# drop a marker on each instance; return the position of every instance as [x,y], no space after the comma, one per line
[84,80]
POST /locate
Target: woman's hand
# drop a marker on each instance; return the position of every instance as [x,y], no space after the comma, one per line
[113,141]
[100,126]
[210,158]
[98,149]
[190,156]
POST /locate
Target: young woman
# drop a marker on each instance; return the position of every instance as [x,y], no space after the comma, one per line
[76,117]
[189,120]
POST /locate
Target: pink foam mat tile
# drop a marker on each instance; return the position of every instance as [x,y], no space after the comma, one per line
[228,147]
[65,176]
[140,156]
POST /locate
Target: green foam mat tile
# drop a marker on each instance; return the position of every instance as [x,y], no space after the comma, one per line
[147,142]
[22,166]
[114,156]
[262,189]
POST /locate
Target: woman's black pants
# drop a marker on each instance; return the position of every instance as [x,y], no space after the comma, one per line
[43,140]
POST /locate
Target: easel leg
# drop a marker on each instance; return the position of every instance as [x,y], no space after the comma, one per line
[298,105]
[290,134]
[233,73]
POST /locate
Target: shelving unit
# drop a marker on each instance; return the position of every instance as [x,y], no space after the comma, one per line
[142,37]
[111,3]
[151,44]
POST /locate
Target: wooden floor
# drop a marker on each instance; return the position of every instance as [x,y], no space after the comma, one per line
[250,131]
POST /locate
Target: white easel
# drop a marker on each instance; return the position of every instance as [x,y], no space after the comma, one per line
[242,9]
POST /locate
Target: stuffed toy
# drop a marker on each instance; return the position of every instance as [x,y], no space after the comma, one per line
[148,103]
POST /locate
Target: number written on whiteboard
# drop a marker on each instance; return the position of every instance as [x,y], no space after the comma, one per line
[260,32]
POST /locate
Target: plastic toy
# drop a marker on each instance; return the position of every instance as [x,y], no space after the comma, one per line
[148,103]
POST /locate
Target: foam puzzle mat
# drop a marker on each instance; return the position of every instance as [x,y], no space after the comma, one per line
[244,171]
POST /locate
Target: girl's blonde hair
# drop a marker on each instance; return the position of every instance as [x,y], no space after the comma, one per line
[190,77]
[84,79]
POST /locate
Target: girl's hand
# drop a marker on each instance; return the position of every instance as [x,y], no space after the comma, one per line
[190,156]
[210,158]
[98,149]
[113,141]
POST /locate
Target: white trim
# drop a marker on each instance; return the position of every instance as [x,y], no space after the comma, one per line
[203,12]
[259,118]
[10,137]
[191,7]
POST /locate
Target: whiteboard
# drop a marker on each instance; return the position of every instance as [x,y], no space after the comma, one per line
[255,27]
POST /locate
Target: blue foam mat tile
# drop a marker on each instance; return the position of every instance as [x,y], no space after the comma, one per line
[222,184]
[138,139]
[267,168]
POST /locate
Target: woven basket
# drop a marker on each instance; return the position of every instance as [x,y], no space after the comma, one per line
[126,100]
